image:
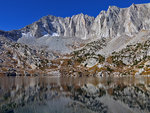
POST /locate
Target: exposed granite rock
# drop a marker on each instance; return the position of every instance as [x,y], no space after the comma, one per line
[111,23]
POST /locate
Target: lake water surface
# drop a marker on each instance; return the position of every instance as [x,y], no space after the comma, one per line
[74,95]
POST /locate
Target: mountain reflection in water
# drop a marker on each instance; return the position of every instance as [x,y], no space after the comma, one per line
[74,95]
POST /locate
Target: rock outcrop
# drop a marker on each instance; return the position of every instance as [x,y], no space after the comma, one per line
[118,21]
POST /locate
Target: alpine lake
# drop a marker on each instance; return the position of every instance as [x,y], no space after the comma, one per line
[74,94]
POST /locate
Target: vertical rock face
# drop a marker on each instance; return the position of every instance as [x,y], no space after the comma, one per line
[111,23]
[75,26]
[117,21]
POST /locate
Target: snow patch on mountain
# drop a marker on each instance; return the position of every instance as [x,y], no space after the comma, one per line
[55,34]
[27,38]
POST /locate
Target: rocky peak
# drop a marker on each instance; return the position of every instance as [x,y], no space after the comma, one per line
[133,6]
[118,21]
[111,23]
[113,8]
[75,26]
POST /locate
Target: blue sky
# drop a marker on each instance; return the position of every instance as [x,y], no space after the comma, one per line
[15,14]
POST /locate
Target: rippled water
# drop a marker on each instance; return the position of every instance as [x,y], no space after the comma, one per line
[74,95]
